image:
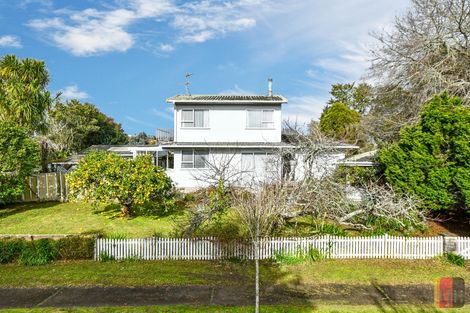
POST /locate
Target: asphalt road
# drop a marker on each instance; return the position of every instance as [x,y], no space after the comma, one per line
[213,295]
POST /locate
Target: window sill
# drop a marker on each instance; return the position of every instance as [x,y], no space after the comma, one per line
[194,127]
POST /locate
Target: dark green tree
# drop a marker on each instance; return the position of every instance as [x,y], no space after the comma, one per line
[19,156]
[74,126]
[432,157]
[340,122]
[356,97]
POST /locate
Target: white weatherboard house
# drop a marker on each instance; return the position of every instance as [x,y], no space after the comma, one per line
[211,130]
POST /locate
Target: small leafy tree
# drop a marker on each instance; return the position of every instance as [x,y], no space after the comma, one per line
[102,177]
[432,157]
[19,155]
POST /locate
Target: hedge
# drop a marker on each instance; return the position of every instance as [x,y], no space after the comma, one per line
[43,251]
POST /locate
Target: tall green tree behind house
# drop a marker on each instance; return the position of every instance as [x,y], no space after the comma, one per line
[19,156]
[74,126]
[356,97]
[24,98]
[432,157]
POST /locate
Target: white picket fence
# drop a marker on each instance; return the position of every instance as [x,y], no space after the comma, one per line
[463,247]
[210,248]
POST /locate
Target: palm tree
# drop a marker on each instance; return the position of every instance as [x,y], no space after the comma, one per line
[24,98]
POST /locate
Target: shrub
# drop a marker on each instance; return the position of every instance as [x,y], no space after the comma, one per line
[10,250]
[76,248]
[106,257]
[454,258]
[287,258]
[39,252]
[19,156]
[43,251]
[104,177]
[314,254]
[431,159]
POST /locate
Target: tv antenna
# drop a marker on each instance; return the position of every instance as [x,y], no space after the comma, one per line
[187,83]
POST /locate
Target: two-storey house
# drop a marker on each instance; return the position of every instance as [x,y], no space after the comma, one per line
[234,133]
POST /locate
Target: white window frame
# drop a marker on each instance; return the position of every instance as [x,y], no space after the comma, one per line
[193,160]
[206,111]
[263,122]
[253,161]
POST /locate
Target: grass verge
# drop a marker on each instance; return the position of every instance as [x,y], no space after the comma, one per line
[157,273]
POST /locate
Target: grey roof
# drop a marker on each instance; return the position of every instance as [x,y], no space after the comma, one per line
[227,144]
[227,99]
[235,144]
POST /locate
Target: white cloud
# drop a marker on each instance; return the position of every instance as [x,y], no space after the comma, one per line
[153,8]
[206,19]
[72,92]
[10,41]
[236,90]
[163,114]
[166,47]
[302,109]
[92,31]
[139,122]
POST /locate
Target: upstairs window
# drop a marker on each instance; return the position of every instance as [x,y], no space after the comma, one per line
[260,118]
[194,158]
[196,118]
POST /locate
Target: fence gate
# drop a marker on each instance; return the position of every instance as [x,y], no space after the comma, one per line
[46,187]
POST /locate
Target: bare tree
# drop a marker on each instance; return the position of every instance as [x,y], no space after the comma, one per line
[428,49]
[427,52]
[260,209]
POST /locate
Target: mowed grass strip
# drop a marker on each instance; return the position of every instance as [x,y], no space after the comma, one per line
[316,308]
[157,273]
[78,218]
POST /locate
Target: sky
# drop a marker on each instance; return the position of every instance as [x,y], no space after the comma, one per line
[128,56]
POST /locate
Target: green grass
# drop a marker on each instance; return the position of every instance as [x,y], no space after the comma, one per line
[381,271]
[77,218]
[320,308]
[147,273]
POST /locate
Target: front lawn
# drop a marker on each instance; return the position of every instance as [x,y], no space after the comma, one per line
[78,218]
[157,273]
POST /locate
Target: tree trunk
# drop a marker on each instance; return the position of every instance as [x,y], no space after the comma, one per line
[125,211]
[256,245]
[44,156]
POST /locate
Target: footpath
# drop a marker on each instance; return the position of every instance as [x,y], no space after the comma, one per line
[215,295]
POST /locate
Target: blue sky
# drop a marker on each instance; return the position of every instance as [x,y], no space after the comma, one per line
[128,56]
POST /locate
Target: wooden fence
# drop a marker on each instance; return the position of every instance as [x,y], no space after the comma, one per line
[210,248]
[46,187]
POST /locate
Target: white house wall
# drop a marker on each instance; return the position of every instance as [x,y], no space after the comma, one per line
[227,123]
[189,178]
[320,167]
